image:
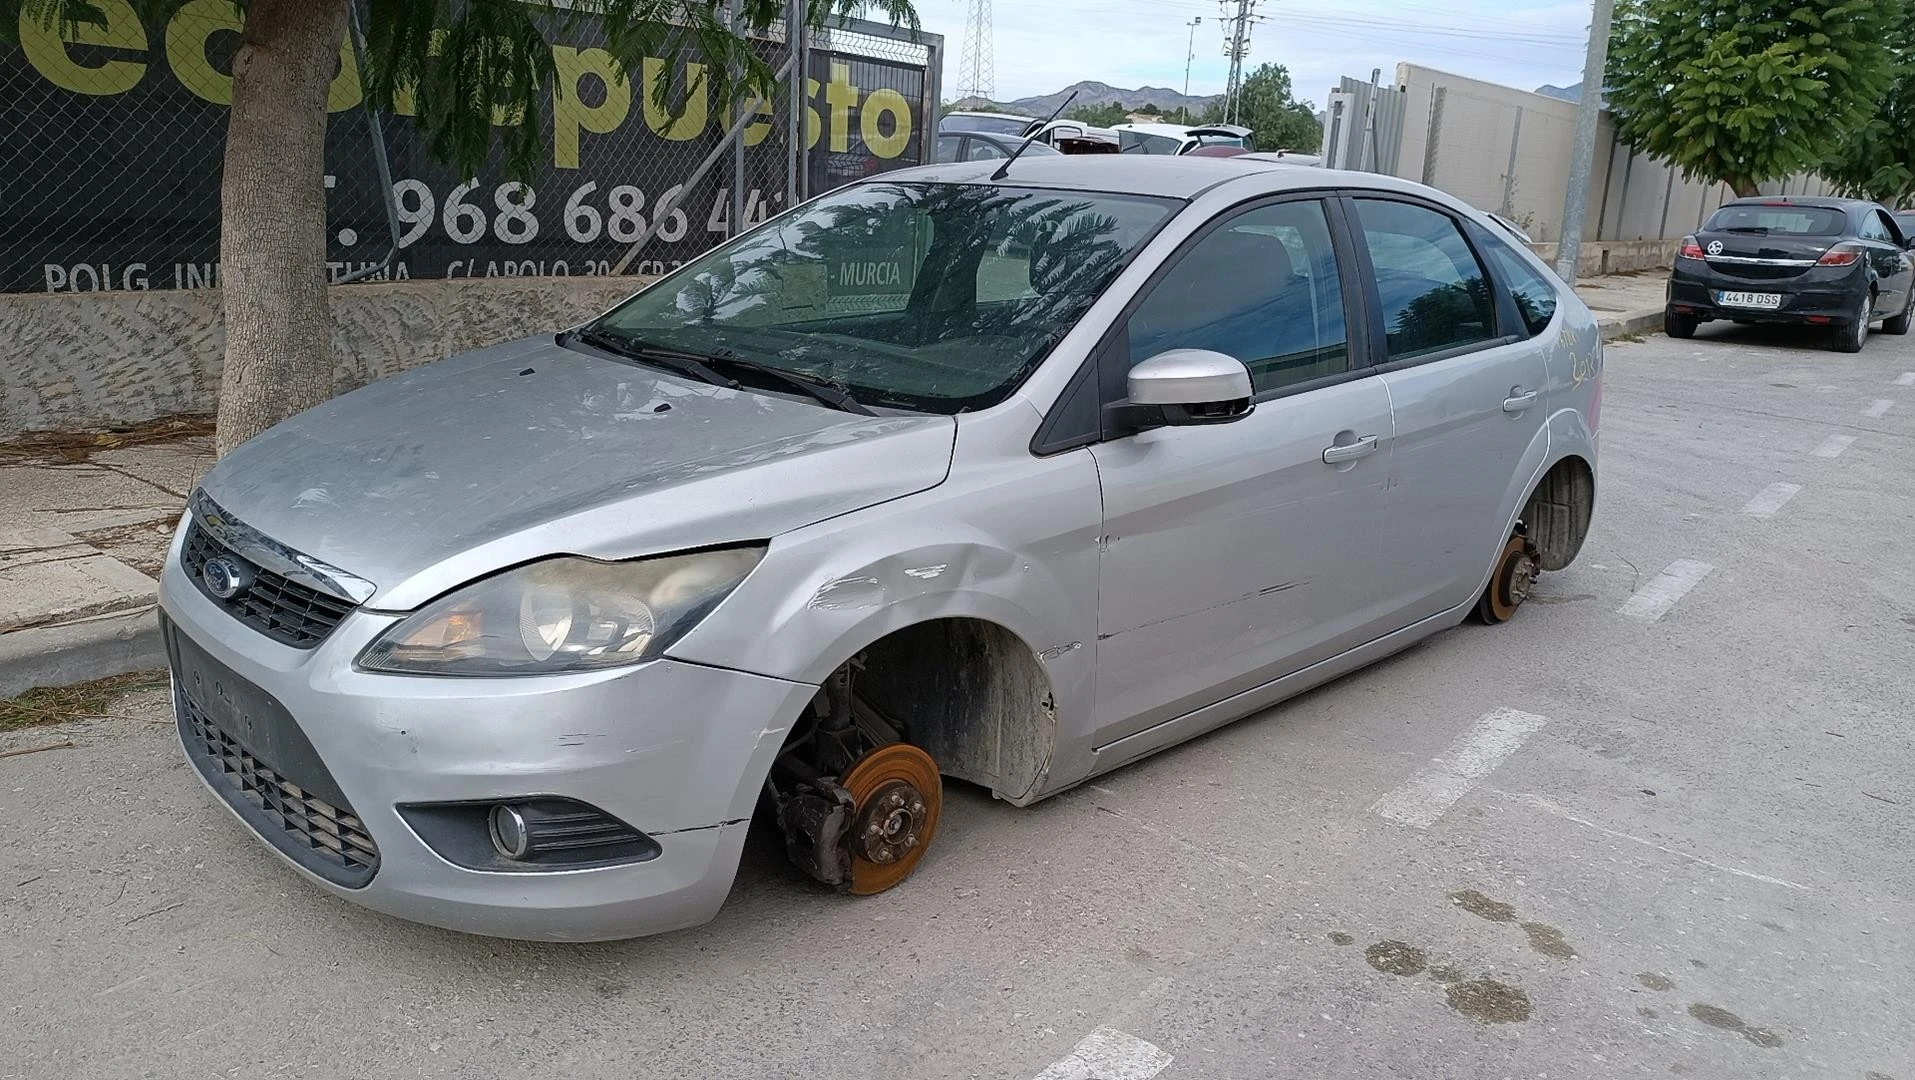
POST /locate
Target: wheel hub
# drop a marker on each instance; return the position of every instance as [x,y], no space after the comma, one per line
[1522,577]
[898,795]
[889,824]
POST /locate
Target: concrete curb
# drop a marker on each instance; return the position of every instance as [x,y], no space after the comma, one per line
[1630,322]
[80,651]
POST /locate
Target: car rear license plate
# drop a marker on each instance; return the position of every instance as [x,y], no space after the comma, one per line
[1766,301]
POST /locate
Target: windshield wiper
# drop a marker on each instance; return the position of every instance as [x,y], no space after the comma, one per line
[1750,230]
[676,360]
[816,389]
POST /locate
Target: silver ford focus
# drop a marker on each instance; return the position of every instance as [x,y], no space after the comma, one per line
[1010,477]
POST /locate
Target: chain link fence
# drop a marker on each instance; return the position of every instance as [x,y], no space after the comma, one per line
[114,138]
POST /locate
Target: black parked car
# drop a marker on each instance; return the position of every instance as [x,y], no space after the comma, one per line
[1839,263]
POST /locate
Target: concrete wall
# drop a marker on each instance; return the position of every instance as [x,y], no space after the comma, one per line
[1463,135]
[81,361]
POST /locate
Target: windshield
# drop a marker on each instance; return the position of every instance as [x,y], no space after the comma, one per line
[930,297]
[1779,220]
[1137,142]
[995,125]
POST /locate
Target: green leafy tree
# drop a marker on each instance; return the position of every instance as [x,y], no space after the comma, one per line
[1878,162]
[1747,91]
[1149,109]
[477,74]
[1268,106]
[1100,115]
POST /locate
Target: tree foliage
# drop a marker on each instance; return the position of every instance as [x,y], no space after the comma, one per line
[1878,162]
[1268,107]
[1100,115]
[1747,91]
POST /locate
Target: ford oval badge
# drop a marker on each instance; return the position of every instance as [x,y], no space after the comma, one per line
[226,578]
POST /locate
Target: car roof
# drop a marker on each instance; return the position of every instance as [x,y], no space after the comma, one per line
[1179,177]
[1813,202]
[1175,131]
[1003,115]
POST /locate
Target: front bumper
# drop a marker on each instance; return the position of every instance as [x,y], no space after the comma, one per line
[1826,296]
[678,751]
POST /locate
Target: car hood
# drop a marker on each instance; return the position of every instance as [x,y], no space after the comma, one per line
[424,481]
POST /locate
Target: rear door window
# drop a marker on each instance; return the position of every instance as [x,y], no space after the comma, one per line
[1431,290]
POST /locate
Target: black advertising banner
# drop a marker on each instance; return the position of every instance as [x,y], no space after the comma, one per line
[111,141]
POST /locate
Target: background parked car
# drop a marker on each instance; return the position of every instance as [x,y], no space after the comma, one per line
[1180,138]
[987,122]
[983,146]
[1839,263]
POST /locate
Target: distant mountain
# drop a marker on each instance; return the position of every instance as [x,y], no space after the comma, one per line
[1097,93]
[1562,93]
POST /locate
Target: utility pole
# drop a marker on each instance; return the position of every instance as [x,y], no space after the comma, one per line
[1583,157]
[977,77]
[1237,48]
[1190,57]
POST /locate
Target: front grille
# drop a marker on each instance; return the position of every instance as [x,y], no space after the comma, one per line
[282,609]
[320,835]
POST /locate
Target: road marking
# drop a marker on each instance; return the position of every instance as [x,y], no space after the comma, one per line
[1437,786]
[1833,446]
[1878,408]
[1906,378]
[1551,808]
[1654,600]
[1109,1054]
[1770,499]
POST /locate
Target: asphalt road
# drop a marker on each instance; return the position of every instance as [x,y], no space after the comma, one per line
[1666,835]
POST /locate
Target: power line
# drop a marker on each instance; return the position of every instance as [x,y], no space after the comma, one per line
[1237,48]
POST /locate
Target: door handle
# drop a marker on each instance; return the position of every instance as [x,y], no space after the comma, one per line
[1517,402]
[1337,455]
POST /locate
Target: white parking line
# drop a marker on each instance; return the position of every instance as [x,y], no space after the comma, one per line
[1437,786]
[1833,446]
[1906,378]
[1879,408]
[1109,1054]
[1654,600]
[1770,499]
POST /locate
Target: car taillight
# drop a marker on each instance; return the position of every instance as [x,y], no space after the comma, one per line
[1690,249]
[1840,256]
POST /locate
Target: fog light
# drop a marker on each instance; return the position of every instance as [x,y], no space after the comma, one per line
[509,834]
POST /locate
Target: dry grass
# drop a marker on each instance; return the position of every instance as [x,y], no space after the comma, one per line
[73,447]
[68,704]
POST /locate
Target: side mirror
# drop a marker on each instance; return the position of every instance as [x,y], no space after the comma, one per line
[1186,387]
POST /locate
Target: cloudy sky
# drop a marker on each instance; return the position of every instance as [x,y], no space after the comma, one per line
[1044,45]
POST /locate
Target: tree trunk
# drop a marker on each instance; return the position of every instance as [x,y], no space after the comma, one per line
[1745,188]
[272,252]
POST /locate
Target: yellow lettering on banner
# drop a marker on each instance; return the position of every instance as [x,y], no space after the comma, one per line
[345,91]
[403,103]
[880,104]
[570,114]
[46,50]
[187,35]
[688,124]
[841,95]
[756,131]
[814,126]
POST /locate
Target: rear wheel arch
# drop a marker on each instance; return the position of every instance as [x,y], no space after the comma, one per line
[1556,515]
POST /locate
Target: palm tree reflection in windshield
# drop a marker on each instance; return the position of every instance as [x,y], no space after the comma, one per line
[932,296]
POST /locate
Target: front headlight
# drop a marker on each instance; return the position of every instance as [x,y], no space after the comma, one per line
[563,614]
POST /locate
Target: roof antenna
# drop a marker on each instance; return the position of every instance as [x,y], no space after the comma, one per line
[1032,137]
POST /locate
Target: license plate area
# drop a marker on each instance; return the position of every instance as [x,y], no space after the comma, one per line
[1759,301]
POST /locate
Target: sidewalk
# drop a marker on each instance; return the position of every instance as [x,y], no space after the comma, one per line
[84,525]
[85,521]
